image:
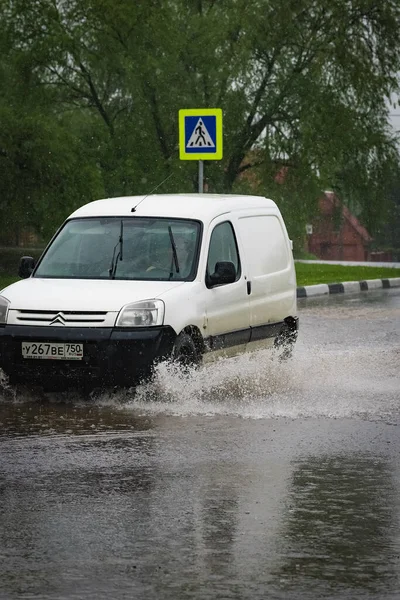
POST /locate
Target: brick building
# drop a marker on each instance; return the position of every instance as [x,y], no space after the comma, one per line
[337,233]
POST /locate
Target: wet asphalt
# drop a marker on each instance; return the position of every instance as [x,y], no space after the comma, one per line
[251,479]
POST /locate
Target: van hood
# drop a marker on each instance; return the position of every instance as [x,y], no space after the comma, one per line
[82,295]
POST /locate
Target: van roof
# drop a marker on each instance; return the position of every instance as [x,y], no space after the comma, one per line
[188,206]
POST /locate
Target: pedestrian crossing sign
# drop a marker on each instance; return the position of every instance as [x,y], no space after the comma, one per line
[200,134]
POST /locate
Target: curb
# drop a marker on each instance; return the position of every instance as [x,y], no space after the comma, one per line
[322,289]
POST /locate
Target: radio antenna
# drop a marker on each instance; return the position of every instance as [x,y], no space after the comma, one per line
[153,190]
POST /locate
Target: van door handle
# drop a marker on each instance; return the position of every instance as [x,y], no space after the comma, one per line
[248,288]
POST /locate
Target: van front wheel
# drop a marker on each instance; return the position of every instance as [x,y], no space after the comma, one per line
[184,352]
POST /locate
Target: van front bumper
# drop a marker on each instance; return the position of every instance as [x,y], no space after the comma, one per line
[111,356]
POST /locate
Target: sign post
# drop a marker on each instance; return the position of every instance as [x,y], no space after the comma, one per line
[200,136]
[201,176]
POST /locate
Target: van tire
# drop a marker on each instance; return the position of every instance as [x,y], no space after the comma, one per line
[184,352]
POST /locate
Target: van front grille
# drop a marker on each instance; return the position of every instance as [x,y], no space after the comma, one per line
[64,318]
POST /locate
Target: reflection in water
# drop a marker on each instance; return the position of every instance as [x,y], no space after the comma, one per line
[139,497]
[69,418]
[72,512]
[219,523]
[340,516]
[99,518]
[199,508]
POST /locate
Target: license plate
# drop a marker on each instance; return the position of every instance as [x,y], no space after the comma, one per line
[44,350]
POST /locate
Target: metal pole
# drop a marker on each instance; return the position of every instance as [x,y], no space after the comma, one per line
[201,176]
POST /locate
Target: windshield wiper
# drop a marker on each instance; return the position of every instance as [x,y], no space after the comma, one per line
[174,253]
[114,261]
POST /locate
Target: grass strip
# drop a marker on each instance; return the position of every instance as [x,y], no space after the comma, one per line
[315,273]
[6,280]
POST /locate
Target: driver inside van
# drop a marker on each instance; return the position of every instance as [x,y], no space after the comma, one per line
[163,258]
[158,259]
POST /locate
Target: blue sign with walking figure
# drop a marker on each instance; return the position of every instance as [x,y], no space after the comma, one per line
[200,134]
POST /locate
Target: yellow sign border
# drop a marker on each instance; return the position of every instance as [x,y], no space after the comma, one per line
[200,112]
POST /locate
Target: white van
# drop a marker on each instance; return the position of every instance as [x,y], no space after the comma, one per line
[127,282]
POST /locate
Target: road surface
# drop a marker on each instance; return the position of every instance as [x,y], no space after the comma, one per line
[254,479]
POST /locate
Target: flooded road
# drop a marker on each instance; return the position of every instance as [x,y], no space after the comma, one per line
[253,479]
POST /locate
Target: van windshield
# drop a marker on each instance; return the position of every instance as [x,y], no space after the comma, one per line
[156,249]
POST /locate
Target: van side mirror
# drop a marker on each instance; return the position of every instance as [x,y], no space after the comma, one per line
[26,266]
[225,272]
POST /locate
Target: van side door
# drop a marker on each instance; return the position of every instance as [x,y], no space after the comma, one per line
[271,272]
[227,303]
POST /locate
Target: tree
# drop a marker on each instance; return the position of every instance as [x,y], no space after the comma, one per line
[387,236]
[44,175]
[302,84]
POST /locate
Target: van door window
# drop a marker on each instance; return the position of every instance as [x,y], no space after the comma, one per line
[223,247]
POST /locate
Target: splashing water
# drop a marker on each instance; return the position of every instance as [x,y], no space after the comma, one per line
[360,381]
[356,382]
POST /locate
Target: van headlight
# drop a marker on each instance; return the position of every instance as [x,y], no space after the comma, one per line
[4,304]
[146,313]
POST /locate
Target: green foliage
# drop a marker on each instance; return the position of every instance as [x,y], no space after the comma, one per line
[90,92]
[10,259]
[47,170]
[387,235]
[6,280]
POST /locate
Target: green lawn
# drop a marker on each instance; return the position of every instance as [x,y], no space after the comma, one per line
[6,280]
[308,274]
